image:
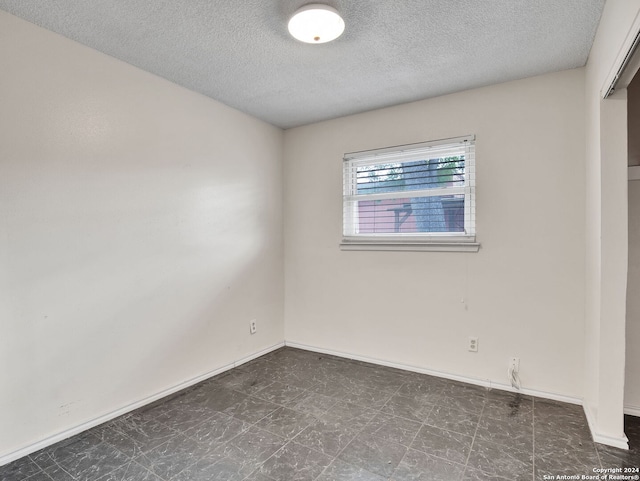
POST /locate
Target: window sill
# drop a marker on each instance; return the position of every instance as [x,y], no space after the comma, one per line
[428,246]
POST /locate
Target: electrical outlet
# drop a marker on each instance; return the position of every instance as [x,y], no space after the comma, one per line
[514,364]
[252,326]
[473,344]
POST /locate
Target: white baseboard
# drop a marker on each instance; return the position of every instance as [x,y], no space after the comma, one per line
[632,410]
[621,442]
[445,375]
[618,442]
[32,448]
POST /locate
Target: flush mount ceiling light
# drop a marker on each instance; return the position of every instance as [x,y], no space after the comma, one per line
[316,23]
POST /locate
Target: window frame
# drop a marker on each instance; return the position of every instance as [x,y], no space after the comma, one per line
[433,241]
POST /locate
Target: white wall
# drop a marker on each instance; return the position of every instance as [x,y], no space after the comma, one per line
[632,384]
[633,118]
[522,294]
[140,231]
[632,358]
[632,364]
[606,228]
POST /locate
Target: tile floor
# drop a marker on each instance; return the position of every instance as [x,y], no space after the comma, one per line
[299,416]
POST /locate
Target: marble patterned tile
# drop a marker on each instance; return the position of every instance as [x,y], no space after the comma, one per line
[345,412]
[214,467]
[221,399]
[251,409]
[50,456]
[312,403]
[280,393]
[258,476]
[94,462]
[408,408]
[444,444]
[425,390]
[291,354]
[341,471]
[123,443]
[464,390]
[565,453]
[196,395]
[286,422]
[295,462]
[324,371]
[333,363]
[394,371]
[552,416]
[352,383]
[19,469]
[272,371]
[58,474]
[506,405]
[251,448]
[549,407]
[573,465]
[373,377]
[297,358]
[301,379]
[547,469]
[193,392]
[392,428]
[130,472]
[217,430]
[419,466]
[334,429]
[38,476]
[367,398]
[365,414]
[206,404]
[128,422]
[576,427]
[500,460]
[565,445]
[511,432]
[328,436]
[455,420]
[473,403]
[147,436]
[611,457]
[373,454]
[329,371]
[521,398]
[477,475]
[243,381]
[517,396]
[184,417]
[174,456]
[147,413]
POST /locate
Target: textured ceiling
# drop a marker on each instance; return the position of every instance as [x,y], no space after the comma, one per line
[393,51]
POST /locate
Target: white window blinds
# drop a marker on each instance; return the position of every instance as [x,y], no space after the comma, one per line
[419,191]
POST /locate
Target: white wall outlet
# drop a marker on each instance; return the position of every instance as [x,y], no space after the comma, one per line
[514,364]
[473,344]
[253,326]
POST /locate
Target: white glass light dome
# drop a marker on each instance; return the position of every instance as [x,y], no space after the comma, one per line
[316,23]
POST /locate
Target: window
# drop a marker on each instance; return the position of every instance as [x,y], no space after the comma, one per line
[412,197]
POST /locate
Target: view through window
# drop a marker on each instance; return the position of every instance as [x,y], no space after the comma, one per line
[415,191]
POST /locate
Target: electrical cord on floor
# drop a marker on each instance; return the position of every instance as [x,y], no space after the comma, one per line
[514,377]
